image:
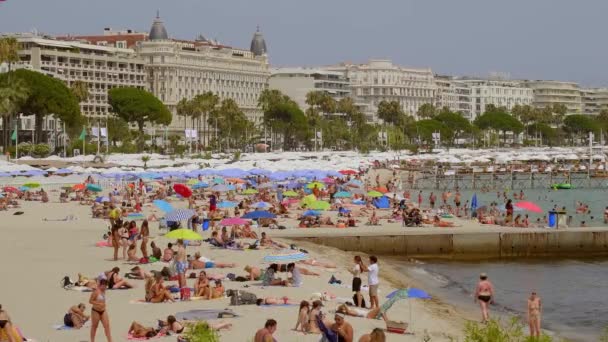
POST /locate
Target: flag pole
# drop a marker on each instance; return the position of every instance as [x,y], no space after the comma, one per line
[98,135]
[107,138]
[17,139]
[64,147]
[84,138]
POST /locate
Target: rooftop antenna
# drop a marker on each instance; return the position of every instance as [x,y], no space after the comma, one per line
[157,14]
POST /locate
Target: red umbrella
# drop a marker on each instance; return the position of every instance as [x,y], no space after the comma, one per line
[78,187]
[10,189]
[348,172]
[183,190]
[381,189]
[530,206]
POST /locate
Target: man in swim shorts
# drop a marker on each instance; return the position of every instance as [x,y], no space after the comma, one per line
[181,264]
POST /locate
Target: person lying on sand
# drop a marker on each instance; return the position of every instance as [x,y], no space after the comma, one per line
[168,253]
[172,325]
[84,281]
[137,330]
[443,224]
[360,312]
[115,281]
[76,316]
[138,273]
[200,262]
[275,301]
[314,262]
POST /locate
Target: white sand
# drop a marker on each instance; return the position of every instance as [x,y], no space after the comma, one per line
[36,254]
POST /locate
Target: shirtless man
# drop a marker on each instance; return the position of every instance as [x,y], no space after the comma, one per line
[342,328]
[457,202]
[534,314]
[181,263]
[265,334]
[254,273]
[485,294]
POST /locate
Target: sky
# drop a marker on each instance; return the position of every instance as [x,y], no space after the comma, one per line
[525,39]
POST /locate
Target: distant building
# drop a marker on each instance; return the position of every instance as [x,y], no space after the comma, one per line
[181,69]
[594,100]
[381,80]
[297,82]
[500,93]
[548,93]
[454,95]
[122,39]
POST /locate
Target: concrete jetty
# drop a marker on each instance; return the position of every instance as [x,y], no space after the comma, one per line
[467,242]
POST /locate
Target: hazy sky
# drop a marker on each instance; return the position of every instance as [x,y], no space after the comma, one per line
[535,39]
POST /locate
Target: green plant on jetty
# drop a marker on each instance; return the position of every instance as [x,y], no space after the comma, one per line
[200,332]
[494,331]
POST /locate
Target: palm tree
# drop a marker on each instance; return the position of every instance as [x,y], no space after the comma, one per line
[9,53]
[207,104]
[80,89]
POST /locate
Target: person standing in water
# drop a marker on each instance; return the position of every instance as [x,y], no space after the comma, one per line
[485,294]
[534,313]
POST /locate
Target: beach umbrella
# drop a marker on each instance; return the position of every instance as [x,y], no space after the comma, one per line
[220,188]
[264,186]
[381,189]
[200,185]
[233,221]
[94,187]
[290,193]
[78,187]
[258,214]
[317,185]
[179,215]
[530,206]
[236,180]
[307,200]
[102,199]
[163,205]
[192,181]
[218,180]
[328,180]
[474,202]
[374,194]
[311,213]
[24,188]
[32,185]
[135,216]
[410,293]
[250,191]
[182,190]
[261,205]
[348,172]
[286,256]
[226,204]
[319,205]
[183,234]
[342,194]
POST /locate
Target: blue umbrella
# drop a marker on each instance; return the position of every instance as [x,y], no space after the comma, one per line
[474,202]
[261,205]
[200,185]
[411,293]
[179,215]
[102,199]
[311,213]
[23,188]
[220,188]
[226,204]
[342,194]
[163,205]
[218,180]
[258,214]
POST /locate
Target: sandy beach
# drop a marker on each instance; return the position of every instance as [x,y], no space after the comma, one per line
[39,253]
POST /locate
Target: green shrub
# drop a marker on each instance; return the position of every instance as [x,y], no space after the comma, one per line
[236,156]
[494,331]
[200,332]
[26,148]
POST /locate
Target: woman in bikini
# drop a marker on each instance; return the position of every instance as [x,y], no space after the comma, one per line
[123,234]
[201,286]
[534,313]
[158,291]
[137,330]
[132,253]
[99,311]
[145,234]
[485,294]
[303,312]
[115,281]
[7,331]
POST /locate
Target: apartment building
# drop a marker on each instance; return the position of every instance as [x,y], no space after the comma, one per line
[381,80]
[454,95]
[548,93]
[297,82]
[500,93]
[594,100]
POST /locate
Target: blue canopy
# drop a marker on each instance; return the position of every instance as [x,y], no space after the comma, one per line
[311,213]
[200,185]
[411,293]
[163,205]
[474,202]
[258,214]
[226,204]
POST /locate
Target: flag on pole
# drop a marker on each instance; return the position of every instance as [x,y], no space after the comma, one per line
[14,135]
[83,134]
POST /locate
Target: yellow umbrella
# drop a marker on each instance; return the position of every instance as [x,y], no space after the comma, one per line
[184,234]
[319,205]
[192,181]
[317,185]
[307,200]
[290,193]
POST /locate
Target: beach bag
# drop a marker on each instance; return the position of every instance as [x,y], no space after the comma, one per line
[243,298]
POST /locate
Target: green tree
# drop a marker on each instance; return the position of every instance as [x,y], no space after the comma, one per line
[391,112]
[80,89]
[204,104]
[426,111]
[233,126]
[118,130]
[423,130]
[11,94]
[577,126]
[457,124]
[544,132]
[499,120]
[138,106]
[283,115]
[47,96]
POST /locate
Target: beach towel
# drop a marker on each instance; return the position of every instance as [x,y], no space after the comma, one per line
[65,327]
[203,315]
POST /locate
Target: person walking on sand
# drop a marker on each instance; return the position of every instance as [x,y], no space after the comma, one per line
[485,294]
[145,235]
[265,334]
[356,286]
[99,312]
[181,263]
[372,279]
[432,199]
[534,314]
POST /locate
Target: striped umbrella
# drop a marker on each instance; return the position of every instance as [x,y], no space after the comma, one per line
[179,215]
[261,205]
[286,255]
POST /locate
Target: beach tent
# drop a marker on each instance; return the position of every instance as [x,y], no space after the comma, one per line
[382,203]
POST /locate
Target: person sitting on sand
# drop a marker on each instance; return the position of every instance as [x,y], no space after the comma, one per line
[361,312]
[156,252]
[137,330]
[373,220]
[158,292]
[132,253]
[115,281]
[8,331]
[218,290]
[168,253]
[269,276]
[76,316]
[201,286]
[377,335]
[312,326]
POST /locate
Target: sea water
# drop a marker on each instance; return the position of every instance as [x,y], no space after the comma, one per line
[574,293]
